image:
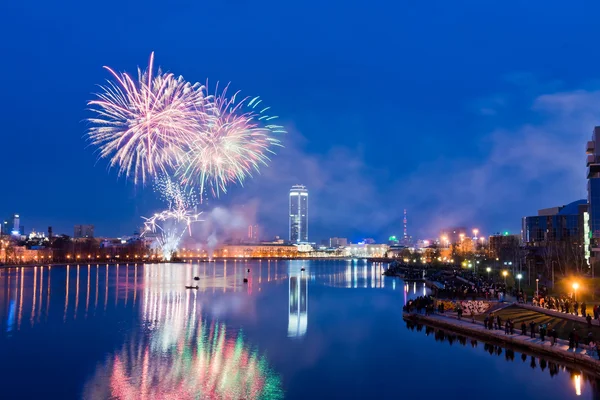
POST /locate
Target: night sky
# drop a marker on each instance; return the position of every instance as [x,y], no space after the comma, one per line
[464,112]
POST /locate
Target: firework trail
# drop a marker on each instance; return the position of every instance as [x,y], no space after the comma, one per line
[171,224]
[237,140]
[144,125]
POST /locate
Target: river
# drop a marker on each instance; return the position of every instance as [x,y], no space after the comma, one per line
[334,330]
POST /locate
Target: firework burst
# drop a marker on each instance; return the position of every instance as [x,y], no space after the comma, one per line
[144,125]
[237,140]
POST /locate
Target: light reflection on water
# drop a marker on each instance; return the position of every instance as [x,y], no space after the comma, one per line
[183,356]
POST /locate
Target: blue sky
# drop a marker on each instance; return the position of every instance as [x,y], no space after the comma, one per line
[465,112]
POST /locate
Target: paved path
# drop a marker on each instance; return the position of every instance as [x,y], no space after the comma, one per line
[557,314]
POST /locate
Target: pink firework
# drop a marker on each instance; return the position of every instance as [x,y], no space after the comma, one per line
[144,125]
[237,140]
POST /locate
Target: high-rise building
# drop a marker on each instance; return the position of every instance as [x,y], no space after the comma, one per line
[83,231]
[298,214]
[593,187]
[12,226]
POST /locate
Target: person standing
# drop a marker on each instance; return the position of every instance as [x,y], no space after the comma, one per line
[523,328]
[572,339]
[554,335]
[583,309]
[588,318]
[576,308]
[532,329]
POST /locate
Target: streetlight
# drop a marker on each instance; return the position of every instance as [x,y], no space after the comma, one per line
[575,287]
[537,288]
[519,276]
[488,269]
[505,274]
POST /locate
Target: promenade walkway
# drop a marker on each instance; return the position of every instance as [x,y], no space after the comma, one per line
[557,314]
[583,355]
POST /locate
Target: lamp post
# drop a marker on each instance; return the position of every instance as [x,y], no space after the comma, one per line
[488,269]
[575,287]
[519,276]
[537,288]
[505,274]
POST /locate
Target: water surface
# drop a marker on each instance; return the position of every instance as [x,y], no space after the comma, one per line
[334,330]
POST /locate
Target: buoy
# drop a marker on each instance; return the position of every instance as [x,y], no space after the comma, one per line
[245,280]
[248,270]
[302,269]
[196,278]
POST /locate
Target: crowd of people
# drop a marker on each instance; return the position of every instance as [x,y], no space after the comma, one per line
[567,305]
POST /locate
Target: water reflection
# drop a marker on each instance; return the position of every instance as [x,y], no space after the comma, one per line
[592,384]
[298,303]
[180,354]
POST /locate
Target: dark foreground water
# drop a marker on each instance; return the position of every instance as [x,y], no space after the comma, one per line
[332,331]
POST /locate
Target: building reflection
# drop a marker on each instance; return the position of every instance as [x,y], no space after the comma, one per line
[297,302]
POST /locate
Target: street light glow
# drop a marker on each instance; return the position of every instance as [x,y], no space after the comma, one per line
[488,269]
[575,286]
[519,276]
[504,273]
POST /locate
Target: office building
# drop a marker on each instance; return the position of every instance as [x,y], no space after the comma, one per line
[593,189]
[83,231]
[501,244]
[564,223]
[298,212]
[12,226]
[336,242]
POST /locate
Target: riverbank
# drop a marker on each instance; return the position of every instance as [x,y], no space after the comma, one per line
[581,357]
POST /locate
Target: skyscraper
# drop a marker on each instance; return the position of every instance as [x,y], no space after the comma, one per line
[298,214]
[593,187]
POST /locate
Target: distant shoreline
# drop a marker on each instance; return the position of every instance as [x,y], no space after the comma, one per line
[199,259]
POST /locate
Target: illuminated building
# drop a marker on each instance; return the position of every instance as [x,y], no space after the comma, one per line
[83,231]
[556,224]
[298,214]
[12,226]
[593,189]
[362,250]
[262,250]
[298,303]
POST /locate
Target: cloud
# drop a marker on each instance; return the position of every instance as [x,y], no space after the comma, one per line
[517,170]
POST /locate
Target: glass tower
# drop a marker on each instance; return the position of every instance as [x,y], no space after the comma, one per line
[298,214]
[593,176]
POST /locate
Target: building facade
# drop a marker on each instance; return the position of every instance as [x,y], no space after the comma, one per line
[336,242]
[83,231]
[593,189]
[564,223]
[298,211]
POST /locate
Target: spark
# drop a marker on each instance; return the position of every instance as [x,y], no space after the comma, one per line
[144,125]
[238,139]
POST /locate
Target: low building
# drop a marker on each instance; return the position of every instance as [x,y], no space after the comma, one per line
[366,250]
[262,250]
